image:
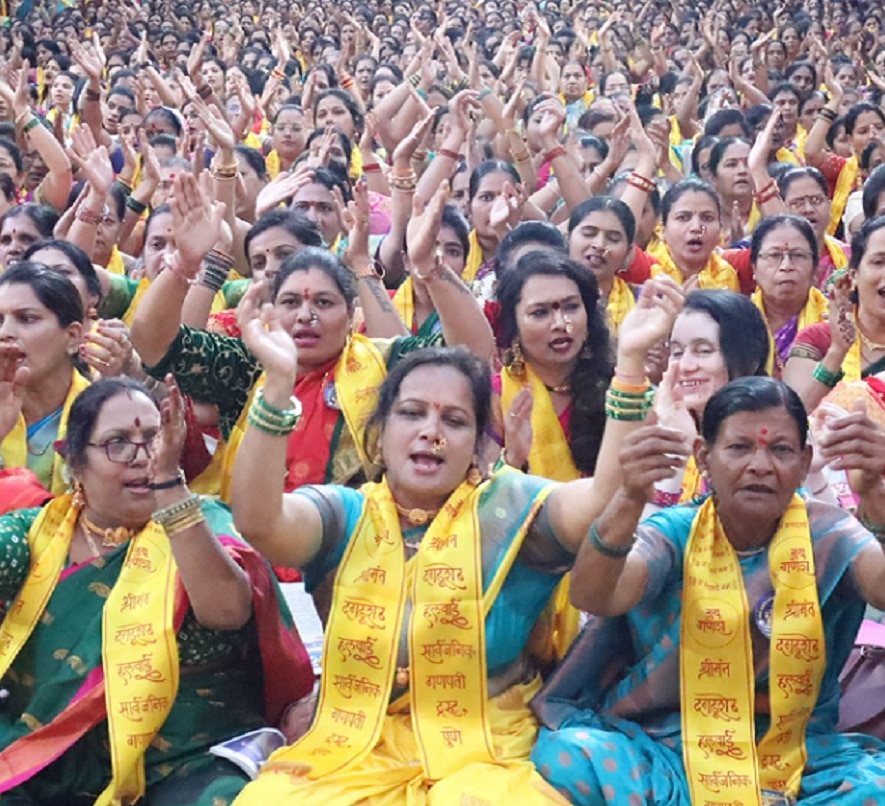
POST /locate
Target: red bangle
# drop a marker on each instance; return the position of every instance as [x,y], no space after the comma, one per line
[447,152]
[88,217]
[662,499]
[553,153]
[640,182]
[371,167]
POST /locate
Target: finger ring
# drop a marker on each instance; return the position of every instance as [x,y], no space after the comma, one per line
[511,414]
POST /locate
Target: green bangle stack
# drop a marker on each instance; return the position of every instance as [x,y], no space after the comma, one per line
[273,420]
[825,376]
[622,405]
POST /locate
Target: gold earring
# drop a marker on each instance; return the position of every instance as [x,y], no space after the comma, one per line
[79,498]
[514,359]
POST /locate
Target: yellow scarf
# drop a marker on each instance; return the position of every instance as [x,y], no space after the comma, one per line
[446,641]
[272,164]
[716,662]
[785,155]
[139,648]
[404,302]
[845,185]
[836,252]
[718,273]
[359,373]
[14,448]
[115,262]
[814,311]
[549,455]
[852,364]
[620,302]
[692,482]
[474,259]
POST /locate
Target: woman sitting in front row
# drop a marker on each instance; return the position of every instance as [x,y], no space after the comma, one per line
[728,684]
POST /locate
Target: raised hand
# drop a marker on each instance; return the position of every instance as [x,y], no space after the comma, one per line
[265,337]
[843,327]
[650,455]
[855,443]
[169,441]
[196,221]
[93,161]
[518,429]
[651,321]
[13,380]
[107,348]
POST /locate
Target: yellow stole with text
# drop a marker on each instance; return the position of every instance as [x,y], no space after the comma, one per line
[550,455]
[717,673]
[14,448]
[474,259]
[718,273]
[692,482]
[620,302]
[446,643]
[139,647]
[359,373]
[852,364]
[845,185]
[814,311]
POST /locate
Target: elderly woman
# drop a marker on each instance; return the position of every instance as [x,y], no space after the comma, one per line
[784,256]
[727,679]
[130,642]
[426,682]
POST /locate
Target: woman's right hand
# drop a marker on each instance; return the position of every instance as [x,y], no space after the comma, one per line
[266,339]
[843,329]
[13,380]
[650,455]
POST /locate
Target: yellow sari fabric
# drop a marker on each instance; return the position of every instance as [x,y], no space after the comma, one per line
[845,185]
[404,302]
[14,448]
[115,262]
[836,252]
[718,273]
[474,259]
[620,302]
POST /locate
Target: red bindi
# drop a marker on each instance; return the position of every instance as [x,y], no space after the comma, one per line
[763,437]
[138,422]
[437,406]
[307,293]
[556,306]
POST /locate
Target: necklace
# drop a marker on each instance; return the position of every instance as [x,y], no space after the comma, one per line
[750,552]
[417,516]
[109,537]
[563,388]
[869,344]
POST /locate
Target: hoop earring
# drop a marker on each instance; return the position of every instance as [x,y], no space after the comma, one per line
[514,359]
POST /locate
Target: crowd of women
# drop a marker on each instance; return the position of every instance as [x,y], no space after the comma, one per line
[544,343]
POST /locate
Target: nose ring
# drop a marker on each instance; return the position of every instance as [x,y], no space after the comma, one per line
[438,445]
[703,228]
[567,321]
[314,317]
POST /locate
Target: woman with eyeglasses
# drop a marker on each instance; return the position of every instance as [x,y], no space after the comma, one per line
[136,637]
[783,256]
[288,137]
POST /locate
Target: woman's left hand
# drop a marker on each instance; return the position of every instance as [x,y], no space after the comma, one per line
[169,441]
[518,429]
[107,348]
[856,444]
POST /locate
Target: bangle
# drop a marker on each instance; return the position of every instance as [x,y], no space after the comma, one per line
[421,94]
[620,375]
[553,154]
[88,217]
[825,376]
[485,92]
[607,549]
[826,114]
[419,155]
[278,74]
[665,499]
[447,152]
[22,116]
[346,82]
[768,192]
[371,168]
[225,171]
[271,419]
[365,273]
[640,182]
[875,530]
[414,79]
[135,205]
[33,123]
[204,92]
[175,512]
[91,95]
[123,184]
[171,263]
[175,481]
[521,156]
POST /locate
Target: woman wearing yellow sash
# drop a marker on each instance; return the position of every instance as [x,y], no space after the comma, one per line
[601,232]
[41,331]
[314,294]
[288,136]
[131,639]
[851,345]
[783,255]
[863,123]
[430,580]
[711,672]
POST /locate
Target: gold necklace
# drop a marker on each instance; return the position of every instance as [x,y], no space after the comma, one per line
[417,516]
[870,345]
[563,388]
[109,537]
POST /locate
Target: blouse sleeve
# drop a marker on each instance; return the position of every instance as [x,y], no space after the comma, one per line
[812,342]
[212,368]
[15,554]
[119,297]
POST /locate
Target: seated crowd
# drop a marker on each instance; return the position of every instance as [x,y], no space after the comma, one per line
[543,343]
